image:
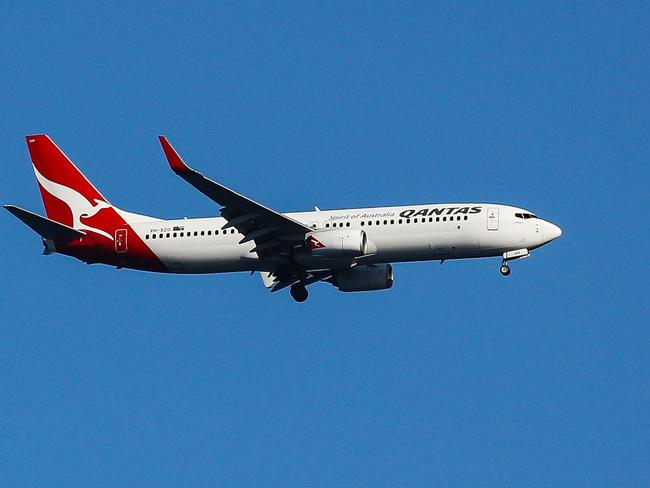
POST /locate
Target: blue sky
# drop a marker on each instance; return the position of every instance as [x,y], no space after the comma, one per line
[456,376]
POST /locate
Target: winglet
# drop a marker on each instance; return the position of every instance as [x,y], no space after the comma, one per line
[176,163]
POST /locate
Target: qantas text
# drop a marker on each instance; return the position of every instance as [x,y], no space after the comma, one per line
[425,212]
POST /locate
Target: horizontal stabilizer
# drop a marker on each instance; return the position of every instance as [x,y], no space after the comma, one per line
[46,228]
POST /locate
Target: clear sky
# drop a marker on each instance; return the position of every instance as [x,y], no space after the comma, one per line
[456,376]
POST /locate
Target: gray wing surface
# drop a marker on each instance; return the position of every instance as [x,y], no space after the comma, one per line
[270,230]
[46,228]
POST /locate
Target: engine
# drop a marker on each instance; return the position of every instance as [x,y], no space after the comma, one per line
[364,278]
[338,243]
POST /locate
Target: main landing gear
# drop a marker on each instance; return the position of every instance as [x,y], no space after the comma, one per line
[299,292]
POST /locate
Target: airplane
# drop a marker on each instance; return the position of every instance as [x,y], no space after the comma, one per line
[352,249]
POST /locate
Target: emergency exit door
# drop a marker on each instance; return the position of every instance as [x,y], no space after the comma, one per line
[120,240]
[493,219]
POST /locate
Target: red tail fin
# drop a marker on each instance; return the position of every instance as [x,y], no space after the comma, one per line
[66,192]
[69,197]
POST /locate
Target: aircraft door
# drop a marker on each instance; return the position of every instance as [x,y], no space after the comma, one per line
[120,240]
[493,219]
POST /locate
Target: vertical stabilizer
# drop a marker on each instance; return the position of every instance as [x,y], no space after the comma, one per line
[69,198]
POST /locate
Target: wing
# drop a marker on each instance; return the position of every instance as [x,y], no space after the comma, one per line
[269,229]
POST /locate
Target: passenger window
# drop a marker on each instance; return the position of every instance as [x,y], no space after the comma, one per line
[232,231]
[174,234]
[370,222]
[202,233]
[465,218]
[362,223]
[146,236]
[399,221]
[385,222]
[377,222]
[437,219]
[347,224]
[444,219]
[415,221]
[327,225]
[209,232]
[408,221]
[392,222]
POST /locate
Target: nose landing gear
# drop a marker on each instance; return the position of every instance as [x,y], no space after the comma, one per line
[299,292]
[511,256]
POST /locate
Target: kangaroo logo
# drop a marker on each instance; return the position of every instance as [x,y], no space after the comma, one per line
[79,205]
[314,243]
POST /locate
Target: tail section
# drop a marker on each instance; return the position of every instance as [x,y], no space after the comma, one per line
[80,221]
[69,198]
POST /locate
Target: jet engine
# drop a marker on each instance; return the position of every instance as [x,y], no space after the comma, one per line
[364,278]
[338,243]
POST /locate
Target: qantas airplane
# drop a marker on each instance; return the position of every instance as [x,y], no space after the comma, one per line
[350,248]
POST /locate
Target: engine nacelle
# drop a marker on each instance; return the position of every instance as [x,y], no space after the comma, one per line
[364,278]
[338,243]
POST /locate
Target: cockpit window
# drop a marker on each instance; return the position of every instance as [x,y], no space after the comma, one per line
[525,216]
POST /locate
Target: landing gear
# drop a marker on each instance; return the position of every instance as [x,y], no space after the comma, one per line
[512,256]
[299,293]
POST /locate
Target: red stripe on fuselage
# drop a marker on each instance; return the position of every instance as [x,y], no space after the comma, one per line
[96,248]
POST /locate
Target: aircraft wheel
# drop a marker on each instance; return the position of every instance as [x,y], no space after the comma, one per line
[299,293]
[505,270]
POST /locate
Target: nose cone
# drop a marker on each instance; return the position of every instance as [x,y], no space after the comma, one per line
[551,231]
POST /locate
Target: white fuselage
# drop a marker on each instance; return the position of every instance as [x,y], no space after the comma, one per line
[352,249]
[395,234]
